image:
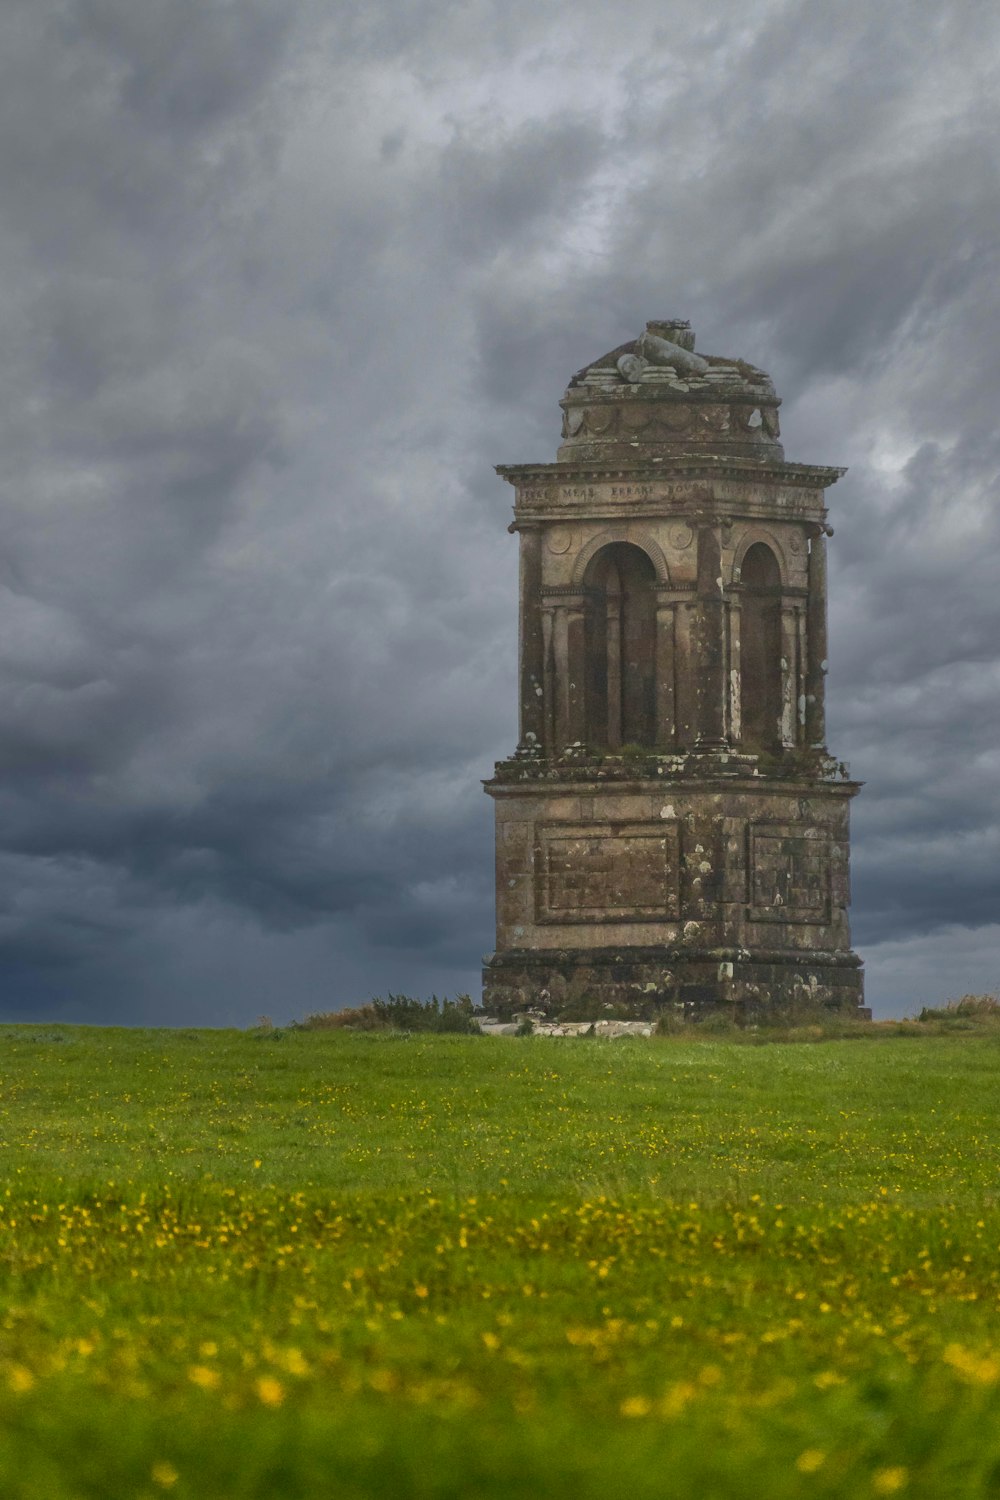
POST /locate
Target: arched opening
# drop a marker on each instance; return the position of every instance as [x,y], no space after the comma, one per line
[760,649]
[620,685]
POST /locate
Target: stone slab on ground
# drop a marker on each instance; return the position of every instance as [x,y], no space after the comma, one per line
[569,1028]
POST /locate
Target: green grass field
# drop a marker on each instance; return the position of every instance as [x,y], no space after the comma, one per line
[290,1264]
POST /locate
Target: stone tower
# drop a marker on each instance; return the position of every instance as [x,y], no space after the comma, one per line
[671,831]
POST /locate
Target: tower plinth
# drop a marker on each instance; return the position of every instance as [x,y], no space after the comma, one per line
[671,831]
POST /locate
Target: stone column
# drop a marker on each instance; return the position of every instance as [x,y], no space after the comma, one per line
[711,656]
[789,673]
[735,686]
[800,689]
[666,713]
[816,642]
[576,652]
[560,678]
[532,649]
[613,628]
[548,679]
[685,672]
[568,667]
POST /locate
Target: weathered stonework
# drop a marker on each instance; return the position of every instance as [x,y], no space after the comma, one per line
[671,831]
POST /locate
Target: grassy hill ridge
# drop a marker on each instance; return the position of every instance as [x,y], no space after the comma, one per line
[289,1262]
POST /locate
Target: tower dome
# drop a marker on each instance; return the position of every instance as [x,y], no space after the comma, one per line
[656,398]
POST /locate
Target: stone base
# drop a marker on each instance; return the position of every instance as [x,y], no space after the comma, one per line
[645,982]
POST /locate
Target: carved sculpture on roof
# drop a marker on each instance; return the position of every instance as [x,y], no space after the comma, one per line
[656,395]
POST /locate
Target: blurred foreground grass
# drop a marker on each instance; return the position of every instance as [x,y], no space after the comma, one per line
[280,1264]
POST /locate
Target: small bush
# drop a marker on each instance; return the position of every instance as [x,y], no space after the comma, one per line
[399,1013]
[266,1031]
[971,1010]
[787,1024]
[806,1022]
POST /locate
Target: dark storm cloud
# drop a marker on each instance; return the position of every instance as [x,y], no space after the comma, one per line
[281,284]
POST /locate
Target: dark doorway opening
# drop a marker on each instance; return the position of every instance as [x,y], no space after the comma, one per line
[760,649]
[620,689]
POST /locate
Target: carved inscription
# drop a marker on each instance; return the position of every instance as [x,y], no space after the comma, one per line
[606,872]
[789,873]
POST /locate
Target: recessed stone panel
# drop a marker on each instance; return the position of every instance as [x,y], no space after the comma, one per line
[606,872]
[789,874]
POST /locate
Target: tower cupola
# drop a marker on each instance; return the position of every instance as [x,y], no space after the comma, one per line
[655,397]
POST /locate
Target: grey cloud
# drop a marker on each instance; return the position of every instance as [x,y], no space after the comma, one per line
[504,190]
[281,286]
[184,65]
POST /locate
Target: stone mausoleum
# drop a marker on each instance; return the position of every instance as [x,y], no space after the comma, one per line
[671,831]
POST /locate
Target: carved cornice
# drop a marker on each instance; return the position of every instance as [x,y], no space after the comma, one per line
[592,775]
[809,513]
[563,592]
[790,591]
[733,392]
[690,466]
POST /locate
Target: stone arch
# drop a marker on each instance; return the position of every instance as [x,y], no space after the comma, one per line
[761,665]
[750,538]
[631,534]
[620,647]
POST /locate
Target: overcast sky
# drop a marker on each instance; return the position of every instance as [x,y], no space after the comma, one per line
[282,280]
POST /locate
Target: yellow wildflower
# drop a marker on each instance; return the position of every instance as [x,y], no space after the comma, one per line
[889,1481]
[977,1369]
[270,1391]
[677,1398]
[636,1406]
[294,1362]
